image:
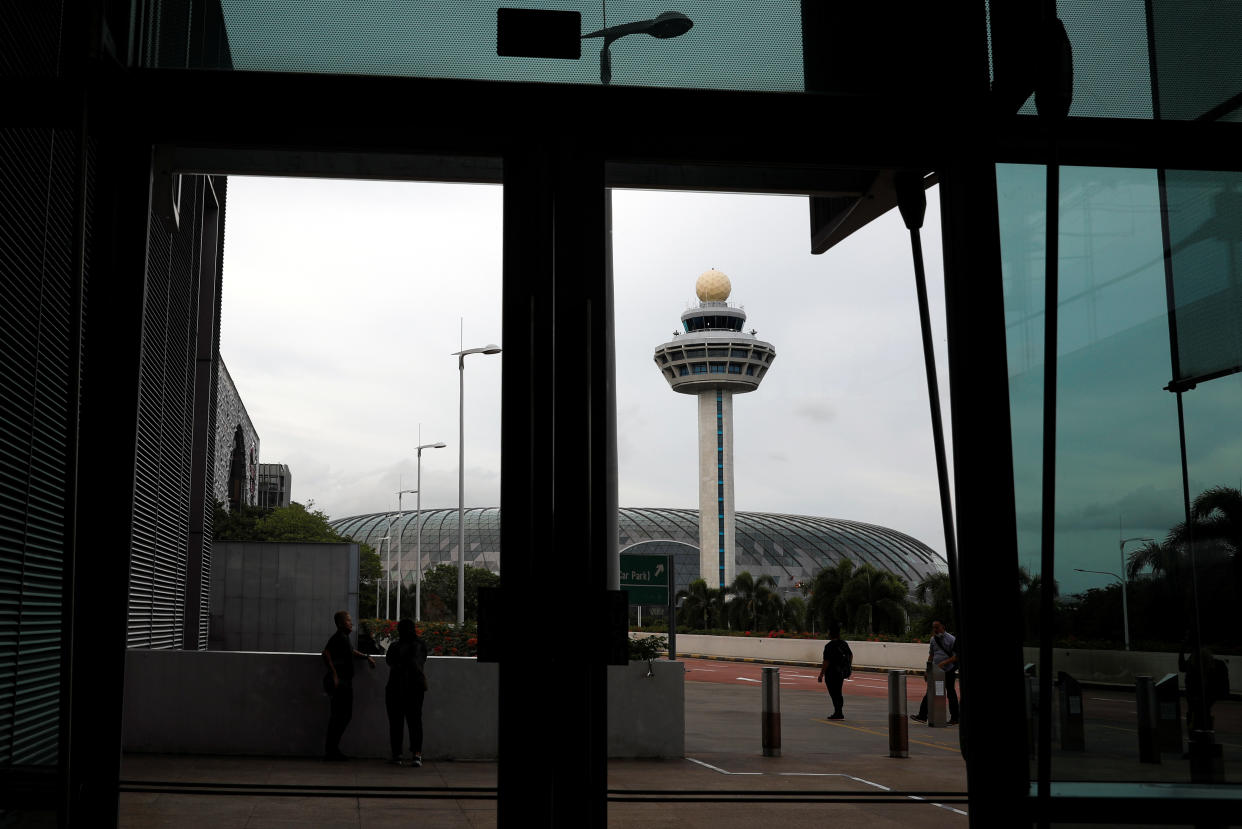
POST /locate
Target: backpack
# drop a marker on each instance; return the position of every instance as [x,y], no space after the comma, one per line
[847,659]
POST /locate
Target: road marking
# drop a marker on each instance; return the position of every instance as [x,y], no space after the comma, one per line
[941,805]
[722,771]
[884,734]
[747,679]
[865,782]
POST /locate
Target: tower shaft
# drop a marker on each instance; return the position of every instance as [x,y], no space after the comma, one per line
[717,561]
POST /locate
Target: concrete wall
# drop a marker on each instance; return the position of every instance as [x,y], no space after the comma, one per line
[204,702]
[279,597]
[1118,667]
[866,654]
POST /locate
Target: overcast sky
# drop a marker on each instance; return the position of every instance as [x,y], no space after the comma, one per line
[343,301]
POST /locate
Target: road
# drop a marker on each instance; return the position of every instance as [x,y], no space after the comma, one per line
[861,683]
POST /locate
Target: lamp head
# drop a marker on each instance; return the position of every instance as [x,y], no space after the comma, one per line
[670,24]
[491,349]
[439,445]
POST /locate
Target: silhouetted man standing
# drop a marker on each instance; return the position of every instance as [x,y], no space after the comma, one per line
[942,651]
[339,656]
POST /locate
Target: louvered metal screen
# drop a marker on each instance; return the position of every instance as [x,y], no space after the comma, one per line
[38,343]
[165,434]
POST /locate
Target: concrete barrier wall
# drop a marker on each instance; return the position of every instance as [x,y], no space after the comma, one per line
[279,597]
[866,654]
[1118,667]
[218,702]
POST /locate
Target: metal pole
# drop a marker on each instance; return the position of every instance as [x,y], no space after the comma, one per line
[461,490]
[400,492]
[418,541]
[672,610]
[388,574]
[771,712]
[898,725]
[1125,608]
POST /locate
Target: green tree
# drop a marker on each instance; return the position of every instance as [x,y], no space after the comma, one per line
[793,615]
[755,600]
[825,604]
[1031,588]
[875,601]
[699,606]
[440,592]
[236,525]
[934,597]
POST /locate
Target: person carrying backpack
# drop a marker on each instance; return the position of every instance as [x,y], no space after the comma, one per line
[835,669]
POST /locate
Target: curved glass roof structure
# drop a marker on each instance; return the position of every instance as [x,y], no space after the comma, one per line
[790,548]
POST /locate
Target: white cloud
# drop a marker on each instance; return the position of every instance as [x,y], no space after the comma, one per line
[342,303]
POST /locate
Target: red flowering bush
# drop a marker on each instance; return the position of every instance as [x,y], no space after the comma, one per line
[441,637]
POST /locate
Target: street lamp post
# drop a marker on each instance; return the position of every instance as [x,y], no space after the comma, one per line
[461,473]
[418,532]
[399,532]
[1125,610]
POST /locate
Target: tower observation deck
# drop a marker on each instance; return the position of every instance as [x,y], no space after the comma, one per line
[713,358]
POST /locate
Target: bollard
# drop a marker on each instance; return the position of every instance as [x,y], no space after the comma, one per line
[898,728]
[1168,715]
[1071,720]
[937,701]
[1145,706]
[771,712]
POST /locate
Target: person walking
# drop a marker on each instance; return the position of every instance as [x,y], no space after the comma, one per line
[339,655]
[403,696]
[941,651]
[835,668]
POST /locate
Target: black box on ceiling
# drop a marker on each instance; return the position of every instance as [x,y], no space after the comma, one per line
[538,33]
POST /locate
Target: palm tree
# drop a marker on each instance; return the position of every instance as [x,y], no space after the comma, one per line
[751,598]
[700,605]
[1160,559]
[935,597]
[793,614]
[875,600]
[1031,587]
[826,593]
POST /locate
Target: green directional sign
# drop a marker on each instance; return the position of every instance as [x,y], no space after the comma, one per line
[646,578]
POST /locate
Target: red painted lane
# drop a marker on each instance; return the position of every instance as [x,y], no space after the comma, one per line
[860,683]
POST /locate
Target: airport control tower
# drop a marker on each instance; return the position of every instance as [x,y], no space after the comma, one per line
[713,359]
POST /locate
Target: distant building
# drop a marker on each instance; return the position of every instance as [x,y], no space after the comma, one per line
[713,358]
[236,475]
[789,548]
[275,485]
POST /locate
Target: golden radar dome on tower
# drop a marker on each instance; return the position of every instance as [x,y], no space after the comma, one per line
[713,286]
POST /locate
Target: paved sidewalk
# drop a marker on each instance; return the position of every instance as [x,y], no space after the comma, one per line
[841,768]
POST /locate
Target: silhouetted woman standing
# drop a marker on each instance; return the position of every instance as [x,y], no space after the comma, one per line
[403,696]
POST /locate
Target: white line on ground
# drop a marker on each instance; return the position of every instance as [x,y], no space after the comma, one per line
[722,771]
[747,679]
